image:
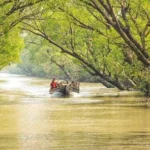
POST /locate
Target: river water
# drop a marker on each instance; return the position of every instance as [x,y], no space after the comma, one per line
[32,119]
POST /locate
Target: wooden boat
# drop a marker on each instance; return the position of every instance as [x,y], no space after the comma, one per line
[64,89]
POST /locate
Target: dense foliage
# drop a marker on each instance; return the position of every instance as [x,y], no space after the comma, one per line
[38,59]
[12,13]
[108,38]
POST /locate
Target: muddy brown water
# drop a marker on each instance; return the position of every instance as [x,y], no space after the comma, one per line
[95,119]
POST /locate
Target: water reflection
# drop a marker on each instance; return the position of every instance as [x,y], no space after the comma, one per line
[30,119]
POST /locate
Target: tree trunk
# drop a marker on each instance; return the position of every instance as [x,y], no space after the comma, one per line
[146,88]
[62,67]
[105,83]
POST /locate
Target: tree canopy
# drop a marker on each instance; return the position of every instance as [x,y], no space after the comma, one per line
[108,38]
[12,13]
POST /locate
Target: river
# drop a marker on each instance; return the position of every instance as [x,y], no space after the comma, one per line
[32,119]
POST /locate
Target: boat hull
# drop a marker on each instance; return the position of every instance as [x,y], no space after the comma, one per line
[65,90]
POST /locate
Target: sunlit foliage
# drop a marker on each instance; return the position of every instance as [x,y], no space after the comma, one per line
[108,38]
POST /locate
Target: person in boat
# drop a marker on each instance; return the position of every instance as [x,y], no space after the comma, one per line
[65,82]
[53,84]
[60,84]
[74,85]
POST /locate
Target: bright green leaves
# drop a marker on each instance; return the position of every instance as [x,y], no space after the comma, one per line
[111,38]
[11,44]
[12,13]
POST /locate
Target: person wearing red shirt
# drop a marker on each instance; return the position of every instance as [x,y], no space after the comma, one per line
[53,84]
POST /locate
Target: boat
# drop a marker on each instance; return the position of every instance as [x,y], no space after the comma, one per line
[64,89]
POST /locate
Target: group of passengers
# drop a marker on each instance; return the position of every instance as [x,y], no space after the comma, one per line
[55,84]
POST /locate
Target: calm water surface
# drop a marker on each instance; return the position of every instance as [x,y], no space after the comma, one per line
[31,119]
